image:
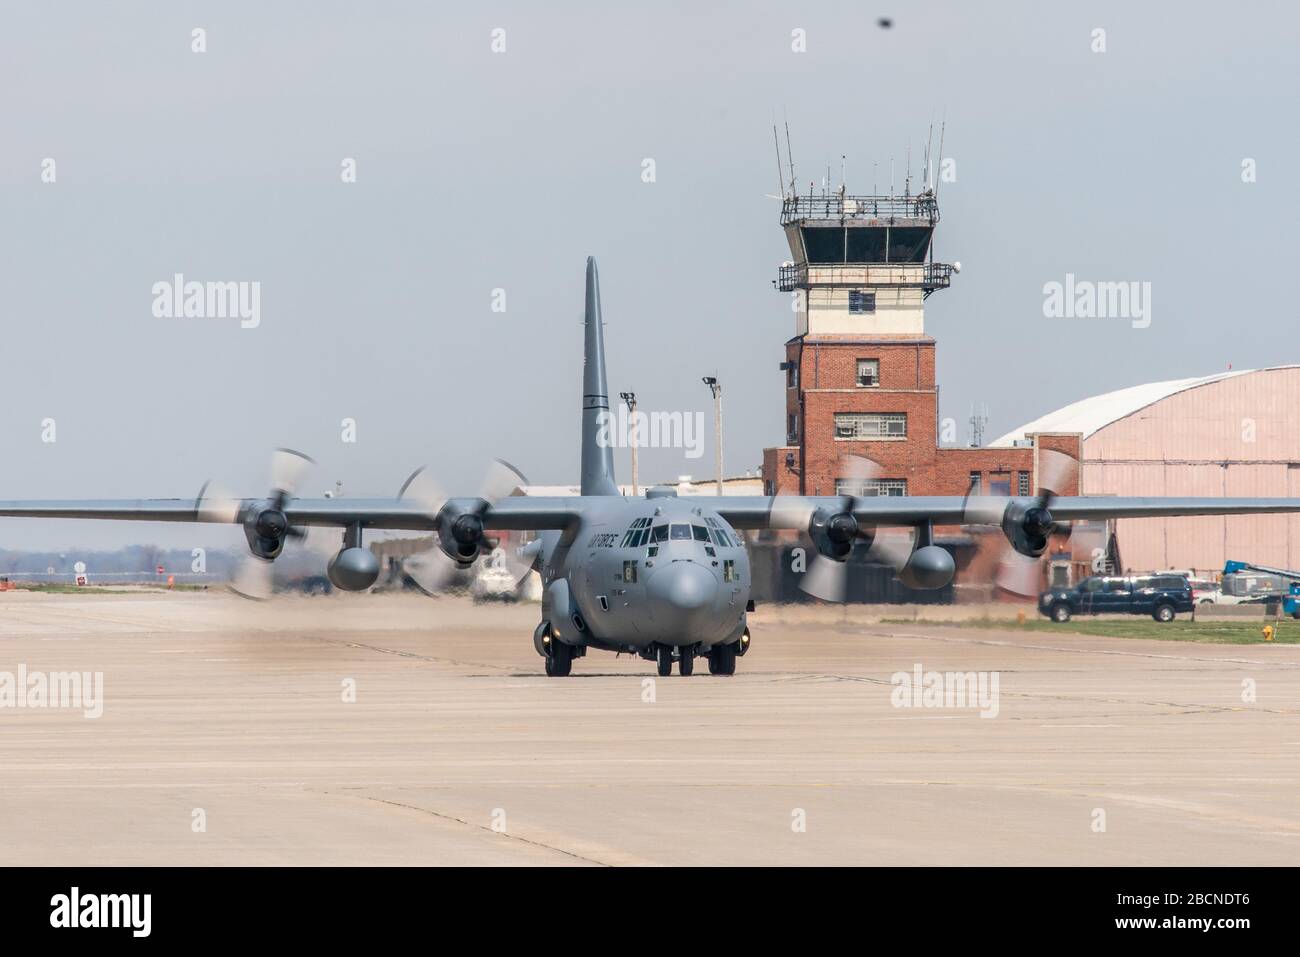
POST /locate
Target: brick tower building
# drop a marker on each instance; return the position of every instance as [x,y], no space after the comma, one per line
[860,369]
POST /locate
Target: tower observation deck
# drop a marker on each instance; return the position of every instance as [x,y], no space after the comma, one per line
[864,263]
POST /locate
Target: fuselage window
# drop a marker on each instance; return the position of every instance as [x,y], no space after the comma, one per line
[700,532]
[720,537]
[680,533]
[661,533]
[728,570]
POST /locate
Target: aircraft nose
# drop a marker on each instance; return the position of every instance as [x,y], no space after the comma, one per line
[685,586]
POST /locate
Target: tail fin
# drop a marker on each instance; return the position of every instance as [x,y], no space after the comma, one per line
[597,450]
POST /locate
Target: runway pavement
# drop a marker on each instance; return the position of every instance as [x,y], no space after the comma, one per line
[226,738]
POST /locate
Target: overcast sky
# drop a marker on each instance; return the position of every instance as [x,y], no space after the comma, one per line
[479,170]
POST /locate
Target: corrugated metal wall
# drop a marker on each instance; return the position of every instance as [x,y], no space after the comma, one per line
[1238,437]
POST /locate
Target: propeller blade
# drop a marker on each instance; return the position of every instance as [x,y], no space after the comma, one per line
[1057,473]
[501,479]
[287,470]
[421,489]
[859,469]
[984,509]
[826,579]
[893,550]
[216,504]
[1019,575]
[429,570]
[791,511]
[253,579]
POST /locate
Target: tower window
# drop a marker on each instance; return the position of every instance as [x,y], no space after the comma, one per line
[792,375]
[792,430]
[861,301]
[1022,483]
[868,372]
[870,425]
[976,483]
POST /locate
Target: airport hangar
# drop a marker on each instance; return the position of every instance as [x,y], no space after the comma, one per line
[1235,433]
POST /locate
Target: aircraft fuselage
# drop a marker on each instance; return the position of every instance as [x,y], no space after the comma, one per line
[648,571]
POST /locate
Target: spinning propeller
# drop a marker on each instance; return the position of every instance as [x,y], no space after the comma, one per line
[460,537]
[1028,529]
[266,526]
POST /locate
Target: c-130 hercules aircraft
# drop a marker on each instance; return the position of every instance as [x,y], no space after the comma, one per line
[662,577]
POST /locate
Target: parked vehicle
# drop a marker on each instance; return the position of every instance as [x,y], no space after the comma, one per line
[1163,597]
[1245,583]
[494,583]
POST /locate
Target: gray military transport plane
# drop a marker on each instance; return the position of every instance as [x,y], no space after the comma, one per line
[662,577]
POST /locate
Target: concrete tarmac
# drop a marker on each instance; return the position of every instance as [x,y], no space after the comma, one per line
[226,738]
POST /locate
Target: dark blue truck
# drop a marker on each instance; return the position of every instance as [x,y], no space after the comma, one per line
[1163,597]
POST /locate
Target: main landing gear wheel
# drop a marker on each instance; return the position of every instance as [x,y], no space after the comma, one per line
[722,660]
[560,661]
[686,664]
[665,661]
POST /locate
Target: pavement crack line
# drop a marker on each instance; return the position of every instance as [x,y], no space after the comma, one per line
[506,834]
[415,656]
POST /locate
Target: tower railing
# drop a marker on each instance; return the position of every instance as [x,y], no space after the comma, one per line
[926,276]
[856,208]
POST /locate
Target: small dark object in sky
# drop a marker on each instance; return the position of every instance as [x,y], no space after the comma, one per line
[884,23]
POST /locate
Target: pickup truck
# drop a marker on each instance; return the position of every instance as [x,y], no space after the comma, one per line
[1163,597]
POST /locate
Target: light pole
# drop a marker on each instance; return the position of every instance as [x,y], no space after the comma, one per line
[716,388]
[630,399]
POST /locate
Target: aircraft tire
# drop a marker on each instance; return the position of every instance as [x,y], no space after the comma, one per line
[560,661]
[665,661]
[722,660]
[686,666]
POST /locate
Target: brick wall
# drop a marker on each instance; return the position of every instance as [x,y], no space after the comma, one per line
[827,385]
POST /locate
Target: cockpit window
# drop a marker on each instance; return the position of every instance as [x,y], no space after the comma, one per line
[661,533]
[680,533]
[636,535]
[700,533]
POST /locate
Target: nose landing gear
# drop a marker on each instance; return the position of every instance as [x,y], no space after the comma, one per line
[560,661]
[722,660]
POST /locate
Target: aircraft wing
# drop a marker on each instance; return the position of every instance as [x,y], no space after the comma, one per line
[518,512]
[793,511]
[535,513]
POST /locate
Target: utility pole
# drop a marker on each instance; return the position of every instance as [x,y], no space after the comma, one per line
[716,388]
[630,399]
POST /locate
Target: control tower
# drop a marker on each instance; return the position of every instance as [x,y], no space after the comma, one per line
[860,368]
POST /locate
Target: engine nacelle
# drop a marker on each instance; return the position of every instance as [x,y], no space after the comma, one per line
[462,538]
[834,533]
[1028,529]
[353,569]
[266,530]
[928,567]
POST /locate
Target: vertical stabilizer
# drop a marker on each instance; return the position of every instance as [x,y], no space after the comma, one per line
[597,424]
